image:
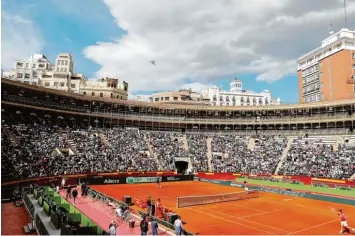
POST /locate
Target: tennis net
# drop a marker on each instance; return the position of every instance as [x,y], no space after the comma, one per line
[187,201]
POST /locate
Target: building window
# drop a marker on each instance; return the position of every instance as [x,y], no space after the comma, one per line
[84,93]
[73,85]
[161,99]
[248,100]
[156,99]
[353,55]
[221,99]
[242,99]
[61,69]
[27,76]
[66,63]
[111,95]
[260,101]
[62,84]
[93,94]
[19,75]
[176,98]
[26,65]
[254,101]
[353,66]
[47,84]
[19,64]
[214,98]
[227,99]
[166,98]
[65,69]
[266,101]
[101,94]
[55,84]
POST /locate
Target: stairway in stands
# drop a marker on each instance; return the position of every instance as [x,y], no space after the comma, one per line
[284,154]
[71,144]
[104,139]
[251,144]
[12,136]
[209,153]
[151,152]
[186,147]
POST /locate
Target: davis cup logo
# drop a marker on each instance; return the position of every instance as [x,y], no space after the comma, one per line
[130,180]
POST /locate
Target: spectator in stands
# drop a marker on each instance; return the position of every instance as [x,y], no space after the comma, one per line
[178,226]
[68,192]
[154,226]
[149,205]
[74,194]
[153,208]
[112,228]
[144,225]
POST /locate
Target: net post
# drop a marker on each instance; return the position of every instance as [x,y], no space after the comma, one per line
[177,202]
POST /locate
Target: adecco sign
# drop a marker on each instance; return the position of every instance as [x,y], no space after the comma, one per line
[111,181]
[98,180]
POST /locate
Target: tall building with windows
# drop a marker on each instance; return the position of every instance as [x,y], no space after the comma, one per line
[29,70]
[237,96]
[327,72]
[39,71]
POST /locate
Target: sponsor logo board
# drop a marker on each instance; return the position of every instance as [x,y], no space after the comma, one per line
[133,180]
[111,181]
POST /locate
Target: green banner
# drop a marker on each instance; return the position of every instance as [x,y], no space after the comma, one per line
[134,180]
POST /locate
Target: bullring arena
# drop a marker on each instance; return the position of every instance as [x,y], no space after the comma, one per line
[298,159]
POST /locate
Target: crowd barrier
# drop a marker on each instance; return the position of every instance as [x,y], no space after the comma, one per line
[96,179]
[304,179]
[101,196]
[289,192]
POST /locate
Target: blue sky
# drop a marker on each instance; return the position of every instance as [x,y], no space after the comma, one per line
[119,39]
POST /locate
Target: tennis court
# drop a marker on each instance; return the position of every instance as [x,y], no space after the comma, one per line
[268,214]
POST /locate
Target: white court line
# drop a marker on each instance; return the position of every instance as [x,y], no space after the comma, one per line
[287,199]
[241,218]
[315,226]
[260,214]
[232,217]
[300,205]
[249,208]
[232,221]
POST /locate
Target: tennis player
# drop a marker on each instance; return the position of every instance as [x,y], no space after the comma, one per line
[158,182]
[344,228]
[246,186]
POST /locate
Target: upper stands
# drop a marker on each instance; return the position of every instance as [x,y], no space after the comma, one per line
[47,132]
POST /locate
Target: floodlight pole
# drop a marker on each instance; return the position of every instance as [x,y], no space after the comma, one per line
[345,14]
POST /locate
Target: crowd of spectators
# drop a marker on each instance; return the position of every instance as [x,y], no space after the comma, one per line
[36,148]
[167,146]
[197,144]
[312,158]
[232,153]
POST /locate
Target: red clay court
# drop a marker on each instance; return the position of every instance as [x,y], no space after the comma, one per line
[269,214]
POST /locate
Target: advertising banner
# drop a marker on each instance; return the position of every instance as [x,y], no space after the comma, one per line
[134,180]
[177,178]
[98,180]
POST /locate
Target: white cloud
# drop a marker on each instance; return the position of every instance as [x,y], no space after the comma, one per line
[196,86]
[20,38]
[202,40]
